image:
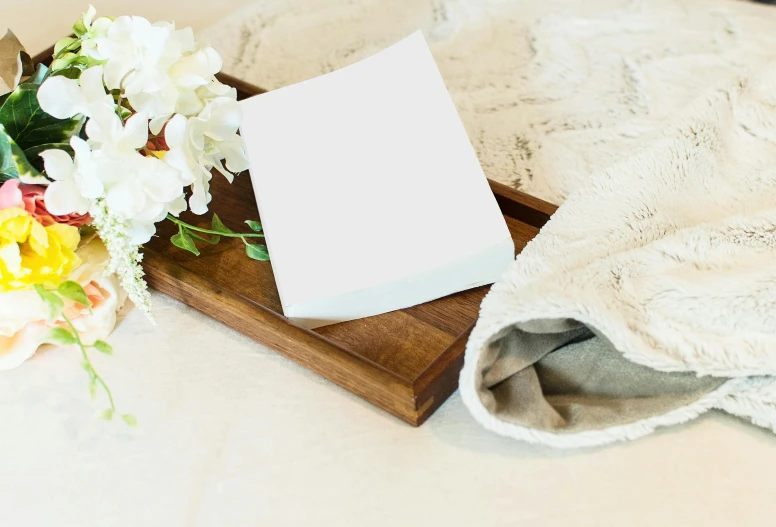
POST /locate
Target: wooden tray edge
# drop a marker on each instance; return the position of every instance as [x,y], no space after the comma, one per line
[310,350]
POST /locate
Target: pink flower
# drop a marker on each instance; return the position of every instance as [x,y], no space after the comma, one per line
[10,195]
[31,199]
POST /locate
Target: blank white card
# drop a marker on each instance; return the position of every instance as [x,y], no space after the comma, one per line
[370,193]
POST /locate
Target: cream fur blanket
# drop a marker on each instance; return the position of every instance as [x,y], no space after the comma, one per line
[650,297]
[549,90]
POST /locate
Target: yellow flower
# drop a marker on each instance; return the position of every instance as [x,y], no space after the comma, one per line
[33,254]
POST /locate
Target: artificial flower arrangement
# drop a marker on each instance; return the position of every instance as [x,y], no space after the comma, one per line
[121,132]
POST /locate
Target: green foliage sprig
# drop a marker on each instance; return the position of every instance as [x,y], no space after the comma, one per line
[26,131]
[188,235]
[67,336]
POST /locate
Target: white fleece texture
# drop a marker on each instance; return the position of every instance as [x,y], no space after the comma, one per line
[549,90]
[671,254]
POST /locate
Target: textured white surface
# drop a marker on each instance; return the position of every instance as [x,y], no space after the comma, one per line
[548,90]
[233,435]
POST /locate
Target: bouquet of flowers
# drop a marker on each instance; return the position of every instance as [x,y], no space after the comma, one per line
[121,132]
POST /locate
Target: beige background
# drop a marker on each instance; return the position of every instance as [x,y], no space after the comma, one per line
[38,23]
[231,434]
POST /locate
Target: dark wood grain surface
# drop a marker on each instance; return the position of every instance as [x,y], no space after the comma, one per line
[406,362]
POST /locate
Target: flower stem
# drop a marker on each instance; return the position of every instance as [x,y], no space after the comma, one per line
[209,231]
[121,92]
[88,362]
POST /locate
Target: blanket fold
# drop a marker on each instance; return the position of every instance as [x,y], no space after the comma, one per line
[650,296]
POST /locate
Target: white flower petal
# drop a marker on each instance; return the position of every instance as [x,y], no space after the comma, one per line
[89,16]
[140,233]
[91,184]
[155,103]
[126,199]
[174,133]
[224,118]
[200,195]
[157,123]
[220,167]
[61,97]
[234,153]
[213,59]
[64,197]
[196,134]
[58,165]
[188,103]
[177,206]
[178,160]
[185,39]
[80,147]
[104,126]
[161,181]
[115,69]
[91,83]
[135,133]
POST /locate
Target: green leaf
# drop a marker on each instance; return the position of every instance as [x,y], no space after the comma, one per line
[213,239]
[254,225]
[40,74]
[28,125]
[34,151]
[52,301]
[13,162]
[64,61]
[184,241]
[75,292]
[129,419]
[87,367]
[64,43]
[79,28]
[93,387]
[219,226]
[61,336]
[107,414]
[103,347]
[257,252]
[71,72]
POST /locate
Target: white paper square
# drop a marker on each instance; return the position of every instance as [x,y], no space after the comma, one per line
[370,193]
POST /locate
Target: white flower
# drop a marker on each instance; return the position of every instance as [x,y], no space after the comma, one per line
[214,135]
[193,77]
[92,30]
[139,190]
[63,98]
[138,55]
[68,192]
[183,158]
[105,131]
[203,142]
[193,71]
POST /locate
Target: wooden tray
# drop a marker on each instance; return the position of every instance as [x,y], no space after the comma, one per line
[406,362]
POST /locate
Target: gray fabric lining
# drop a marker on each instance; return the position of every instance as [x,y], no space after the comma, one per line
[559,376]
